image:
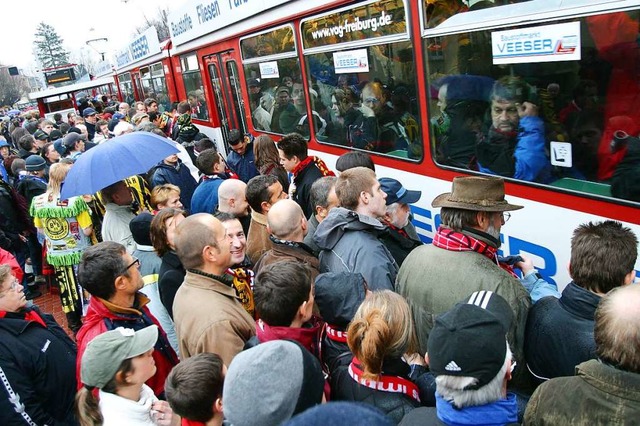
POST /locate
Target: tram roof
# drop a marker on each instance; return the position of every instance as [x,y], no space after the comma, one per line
[71,88]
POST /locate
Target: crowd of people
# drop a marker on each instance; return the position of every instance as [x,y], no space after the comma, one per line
[264,288]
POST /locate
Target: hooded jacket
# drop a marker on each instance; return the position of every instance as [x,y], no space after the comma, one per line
[349,243]
[35,361]
[102,316]
[179,176]
[338,296]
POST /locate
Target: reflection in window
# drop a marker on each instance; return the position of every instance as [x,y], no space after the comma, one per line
[514,119]
[126,88]
[436,12]
[193,86]
[375,110]
[276,95]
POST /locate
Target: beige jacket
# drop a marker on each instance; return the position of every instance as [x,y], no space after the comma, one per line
[258,241]
[209,317]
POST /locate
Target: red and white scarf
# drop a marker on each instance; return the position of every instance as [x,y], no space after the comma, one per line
[384,383]
[448,239]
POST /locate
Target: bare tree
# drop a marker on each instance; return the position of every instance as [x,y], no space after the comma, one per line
[85,63]
[160,21]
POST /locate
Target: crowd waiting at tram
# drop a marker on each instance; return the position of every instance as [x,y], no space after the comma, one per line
[264,288]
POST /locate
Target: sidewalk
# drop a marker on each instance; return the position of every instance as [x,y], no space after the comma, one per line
[49,303]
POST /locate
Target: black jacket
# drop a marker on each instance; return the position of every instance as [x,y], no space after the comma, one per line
[38,365]
[399,245]
[303,182]
[31,186]
[171,277]
[394,405]
[559,333]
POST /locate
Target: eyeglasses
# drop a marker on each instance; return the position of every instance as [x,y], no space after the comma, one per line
[506,216]
[135,262]
[13,286]
[371,100]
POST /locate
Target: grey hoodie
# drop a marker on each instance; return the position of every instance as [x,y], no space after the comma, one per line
[349,242]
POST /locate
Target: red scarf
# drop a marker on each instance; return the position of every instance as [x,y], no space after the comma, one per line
[448,239]
[28,316]
[318,162]
[395,228]
[335,334]
[384,383]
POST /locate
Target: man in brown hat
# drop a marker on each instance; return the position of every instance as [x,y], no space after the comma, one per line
[463,259]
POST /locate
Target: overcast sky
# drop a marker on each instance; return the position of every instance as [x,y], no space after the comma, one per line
[73,21]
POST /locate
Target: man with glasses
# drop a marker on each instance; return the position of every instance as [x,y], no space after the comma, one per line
[463,258]
[112,277]
[36,356]
[389,134]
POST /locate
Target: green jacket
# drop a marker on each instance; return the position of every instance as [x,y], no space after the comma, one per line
[598,395]
[433,280]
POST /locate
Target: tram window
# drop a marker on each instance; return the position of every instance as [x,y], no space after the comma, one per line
[276,99]
[160,87]
[126,88]
[375,110]
[193,86]
[548,122]
[438,11]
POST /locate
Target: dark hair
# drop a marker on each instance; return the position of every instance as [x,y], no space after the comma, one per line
[207,160]
[16,134]
[26,142]
[193,386]
[265,151]
[234,137]
[158,230]
[293,144]
[64,128]
[320,192]
[149,101]
[204,144]
[57,117]
[279,290]
[101,265]
[352,159]
[224,216]
[602,254]
[153,115]
[258,191]
[184,107]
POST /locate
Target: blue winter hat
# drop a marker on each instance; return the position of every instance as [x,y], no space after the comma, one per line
[88,111]
[58,146]
[4,143]
[396,193]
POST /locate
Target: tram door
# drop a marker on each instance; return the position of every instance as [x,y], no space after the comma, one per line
[137,87]
[225,81]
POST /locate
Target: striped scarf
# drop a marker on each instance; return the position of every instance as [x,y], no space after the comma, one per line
[448,239]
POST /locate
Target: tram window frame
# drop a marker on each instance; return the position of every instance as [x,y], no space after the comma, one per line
[193,86]
[552,86]
[126,87]
[376,128]
[281,68]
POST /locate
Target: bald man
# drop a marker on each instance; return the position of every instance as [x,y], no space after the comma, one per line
[232,199]
[287,227]
[207,312]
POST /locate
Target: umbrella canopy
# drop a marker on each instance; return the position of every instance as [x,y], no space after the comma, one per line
[115,160]
[13,112]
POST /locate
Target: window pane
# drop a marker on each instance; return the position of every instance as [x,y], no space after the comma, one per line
[280,40]
[278,113]
[546,122]
[376,110]
[195,95]
[437,12]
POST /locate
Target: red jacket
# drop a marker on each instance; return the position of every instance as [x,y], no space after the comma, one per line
[103,316]
[7,258]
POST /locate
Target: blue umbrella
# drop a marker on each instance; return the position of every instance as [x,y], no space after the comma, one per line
[115,160]
[13,112]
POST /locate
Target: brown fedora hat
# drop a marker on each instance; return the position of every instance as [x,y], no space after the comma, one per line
[483,194]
